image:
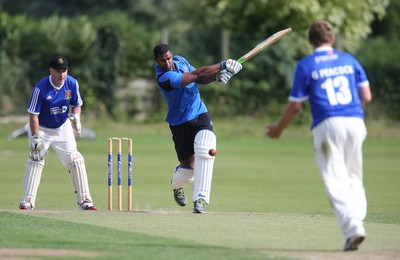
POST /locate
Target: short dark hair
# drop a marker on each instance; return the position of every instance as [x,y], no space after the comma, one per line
[161,49]
[320,32]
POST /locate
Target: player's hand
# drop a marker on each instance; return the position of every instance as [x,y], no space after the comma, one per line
[37,151]
[224,76]
[273,131]
[232,66]
[76,125]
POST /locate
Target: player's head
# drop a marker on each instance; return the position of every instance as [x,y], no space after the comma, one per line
[58,62]
[163,56]
[320,33]
[58,70]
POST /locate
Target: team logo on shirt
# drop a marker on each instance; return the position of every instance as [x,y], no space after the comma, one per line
[67,94]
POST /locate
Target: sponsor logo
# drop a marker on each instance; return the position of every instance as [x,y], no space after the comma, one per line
[58,110]
[326,58]
[49,97]
[201,196]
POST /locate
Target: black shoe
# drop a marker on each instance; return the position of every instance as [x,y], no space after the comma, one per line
[353,243]
[179,196]
[199,206]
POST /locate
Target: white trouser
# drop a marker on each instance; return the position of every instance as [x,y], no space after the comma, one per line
[62,140]
[338,151]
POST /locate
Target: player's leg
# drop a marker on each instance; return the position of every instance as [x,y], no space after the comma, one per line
[33,174]
[78,175]
[66,149]
[205,140]
[329,139]
[182,176]
[357,133]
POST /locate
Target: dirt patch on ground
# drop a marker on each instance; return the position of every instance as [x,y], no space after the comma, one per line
[21,253]
[355,255]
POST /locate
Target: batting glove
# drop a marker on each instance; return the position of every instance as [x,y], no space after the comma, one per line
[36,150]
[231,66]
[223,77]
[76,125]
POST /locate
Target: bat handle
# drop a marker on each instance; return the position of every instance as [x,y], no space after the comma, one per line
[241,60]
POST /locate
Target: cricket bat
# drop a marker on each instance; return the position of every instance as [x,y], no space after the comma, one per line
[265,44]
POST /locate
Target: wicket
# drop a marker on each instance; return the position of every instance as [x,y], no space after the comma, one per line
[119,171]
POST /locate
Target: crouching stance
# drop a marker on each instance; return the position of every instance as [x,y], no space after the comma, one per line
[50,125]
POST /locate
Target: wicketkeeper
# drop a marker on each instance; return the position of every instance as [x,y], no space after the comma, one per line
[50,124]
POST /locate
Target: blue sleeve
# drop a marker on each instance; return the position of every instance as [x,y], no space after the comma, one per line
[360,73]
[172,79]
[76,100]
[299,89]
[35,103]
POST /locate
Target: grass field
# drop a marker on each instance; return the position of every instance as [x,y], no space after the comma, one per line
[267,200]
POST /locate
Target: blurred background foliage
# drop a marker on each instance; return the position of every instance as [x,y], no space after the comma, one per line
[109,46]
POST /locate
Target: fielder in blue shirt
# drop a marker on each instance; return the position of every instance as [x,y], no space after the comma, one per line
[337,87]
[189,120]
[51,124]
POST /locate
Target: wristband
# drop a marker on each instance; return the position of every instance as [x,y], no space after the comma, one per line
[223,64]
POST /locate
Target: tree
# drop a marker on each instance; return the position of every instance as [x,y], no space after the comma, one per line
[351,19]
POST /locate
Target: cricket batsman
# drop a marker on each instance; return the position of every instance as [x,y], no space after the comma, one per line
[189,120]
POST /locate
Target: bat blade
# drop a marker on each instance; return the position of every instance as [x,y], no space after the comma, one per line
[265,44]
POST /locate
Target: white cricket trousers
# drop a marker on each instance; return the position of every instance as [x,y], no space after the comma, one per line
[338,145]
[62,140]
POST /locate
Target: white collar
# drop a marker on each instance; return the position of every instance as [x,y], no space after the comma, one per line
[323,48]
[54,86]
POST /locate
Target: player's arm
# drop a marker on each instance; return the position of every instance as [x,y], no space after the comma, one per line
[288,115]
[365,94]
[207,74]
[76,110]
[75,118]
[34,124]
[202,75]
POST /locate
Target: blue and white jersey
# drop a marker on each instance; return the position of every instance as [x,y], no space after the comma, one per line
[330,80]
[52,103]
[184,103]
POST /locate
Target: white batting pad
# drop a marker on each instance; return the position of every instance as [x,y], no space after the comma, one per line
[203,165]
[181,177]
[79,179]
[33,174]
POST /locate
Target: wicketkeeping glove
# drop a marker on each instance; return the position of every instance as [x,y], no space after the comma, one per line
[76,124]
[231,66]
[223,77]
[36,150]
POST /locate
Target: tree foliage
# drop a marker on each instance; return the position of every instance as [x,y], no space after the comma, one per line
[351,19]
[111,41]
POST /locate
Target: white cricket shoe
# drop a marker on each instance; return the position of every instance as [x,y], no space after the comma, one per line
[87,205]
[25,206]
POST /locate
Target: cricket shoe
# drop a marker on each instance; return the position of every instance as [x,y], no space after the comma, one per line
[179,196]
[352,243]
[199,206]
[87,205]
[25,206]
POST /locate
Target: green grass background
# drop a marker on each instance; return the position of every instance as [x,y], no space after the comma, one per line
[267,199]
